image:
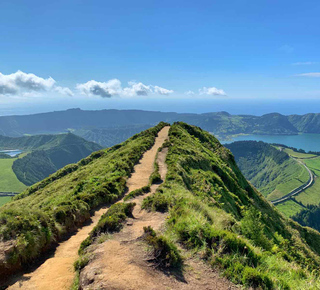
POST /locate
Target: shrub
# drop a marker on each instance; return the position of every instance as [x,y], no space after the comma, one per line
[137,192]
[164,253]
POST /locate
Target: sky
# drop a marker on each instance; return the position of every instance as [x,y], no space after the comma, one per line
[191,56]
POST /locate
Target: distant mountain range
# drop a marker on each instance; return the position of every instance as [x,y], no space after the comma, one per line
[109,127]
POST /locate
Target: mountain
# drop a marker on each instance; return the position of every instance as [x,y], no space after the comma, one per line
[45,154]
[108,137]
[309,123]
[271,171]
[101,126]
[212,212]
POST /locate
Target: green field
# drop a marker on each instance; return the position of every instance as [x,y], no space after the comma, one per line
[8,180]
[4,199]
[289,208]
[293,176]
[312,194]
[298,154]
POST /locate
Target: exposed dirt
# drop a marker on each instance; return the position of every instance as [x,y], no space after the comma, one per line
[57,272]
[121,262]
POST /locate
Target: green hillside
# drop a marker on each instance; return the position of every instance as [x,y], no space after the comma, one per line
[108,137]
[215,213]
[43,155]
[212,211]
[43,213]
[271,171]
[99,126]
[50,156]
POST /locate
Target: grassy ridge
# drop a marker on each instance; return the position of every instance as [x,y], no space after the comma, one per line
[45,211]
[215,212]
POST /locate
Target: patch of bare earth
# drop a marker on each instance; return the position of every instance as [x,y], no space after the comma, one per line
[121,262]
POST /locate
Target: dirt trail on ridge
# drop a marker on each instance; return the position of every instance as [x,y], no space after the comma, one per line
[120,263]
[57,272]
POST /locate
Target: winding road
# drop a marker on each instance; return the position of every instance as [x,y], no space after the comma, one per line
[298,189]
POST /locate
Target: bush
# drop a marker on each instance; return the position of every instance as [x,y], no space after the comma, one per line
[137,192]
[253,278]
[157,202]
[164,253]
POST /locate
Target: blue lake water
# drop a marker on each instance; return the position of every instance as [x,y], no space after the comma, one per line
[11,153]
[307,142]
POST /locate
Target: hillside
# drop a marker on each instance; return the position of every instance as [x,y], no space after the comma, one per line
[60,203]
[108,127]
[42,156]
[309,123]
[211,212]
[271,171]
[108,137]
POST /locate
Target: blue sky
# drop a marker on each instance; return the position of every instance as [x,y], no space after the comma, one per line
[156,51]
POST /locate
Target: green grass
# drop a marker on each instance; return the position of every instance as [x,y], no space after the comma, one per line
[271,171]
[214,212]
[8,180]
[4,199]
[289,208]
[298,154]
[44,212]
[296,176]
[312,194]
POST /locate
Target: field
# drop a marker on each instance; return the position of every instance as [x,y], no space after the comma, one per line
[289,208]
[8,180]
[309,196]
[4,199]
[298,154]
[312,194]
[293,177]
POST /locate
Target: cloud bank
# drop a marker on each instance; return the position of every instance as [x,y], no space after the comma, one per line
[27,83]
[113,88]
[212,91]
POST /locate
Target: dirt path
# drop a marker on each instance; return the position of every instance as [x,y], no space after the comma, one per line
[120,262]
[57,272]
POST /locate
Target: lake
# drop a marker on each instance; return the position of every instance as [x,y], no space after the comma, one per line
[12,153]
[307,142]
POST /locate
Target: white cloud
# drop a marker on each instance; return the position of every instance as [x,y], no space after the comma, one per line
[136,89]
[305,63]
[102,89]
[21,83]
[190,93]
[311,75]
[212,91]
[162,91]
[64,91]
[113,88]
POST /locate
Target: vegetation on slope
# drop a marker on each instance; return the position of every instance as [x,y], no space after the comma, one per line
[98,126]
[215,212]
[108,137]
[40,215]
[61,150]
[8,180]
[271,171]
